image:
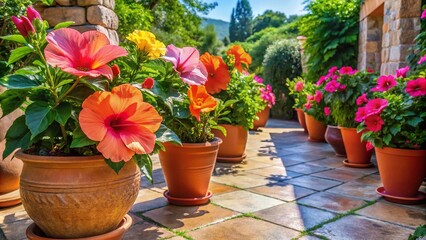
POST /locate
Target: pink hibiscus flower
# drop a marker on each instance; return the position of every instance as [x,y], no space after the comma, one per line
[360,114]
[342,87]
[423,14]
[309,97]
[81,54]
[370,70]
[417,87]
[376,106]
[374,123]
[361,99]
[332,86]
[422,60]
[318,96]
[347,70]
[402,72]
[332,70]
[258,79]
[299,86]
[321,80]
[327,111]
[308,105]
[384,83]
[186,62]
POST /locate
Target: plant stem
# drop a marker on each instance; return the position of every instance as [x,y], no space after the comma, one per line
[70,89]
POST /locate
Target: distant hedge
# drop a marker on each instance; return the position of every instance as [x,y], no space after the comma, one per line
[281,62]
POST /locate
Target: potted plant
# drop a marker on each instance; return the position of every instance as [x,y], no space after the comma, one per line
[240,101]
[268,97]
[83,137]
[298,92]
[315,113]
[345,89]
[394,122]
[175,84]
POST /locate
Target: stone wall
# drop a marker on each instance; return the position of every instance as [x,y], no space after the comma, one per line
[401,24]
[87,14]
[387,31]
[370,43]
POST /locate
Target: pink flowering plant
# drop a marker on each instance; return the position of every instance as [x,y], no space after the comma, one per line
[344,89]
[74,102]
[395,115]
[266,92]
[297,90]
[315,104]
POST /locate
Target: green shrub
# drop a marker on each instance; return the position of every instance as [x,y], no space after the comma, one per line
[282,61]
[331,28]
[132,16]
[420,46]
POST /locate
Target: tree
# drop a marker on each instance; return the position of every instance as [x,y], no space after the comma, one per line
[226,41]
[210,42]
[241,19]
[268,19]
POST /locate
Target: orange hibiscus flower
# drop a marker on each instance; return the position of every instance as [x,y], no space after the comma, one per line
[200,101]
[218,74]
[123,124]
[241,57]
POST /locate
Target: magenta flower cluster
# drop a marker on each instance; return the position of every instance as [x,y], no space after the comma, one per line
[267,95]
[24,24]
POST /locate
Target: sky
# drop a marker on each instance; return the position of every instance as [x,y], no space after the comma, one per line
[224,8]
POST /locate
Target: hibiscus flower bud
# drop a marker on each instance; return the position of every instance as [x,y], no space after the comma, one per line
[23,25]
[115,70]
[32,14]
[148,83]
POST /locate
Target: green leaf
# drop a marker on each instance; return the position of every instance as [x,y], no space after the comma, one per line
[63,25]
[415,121]
[145,164]
[65,82]
[19,53]
[39,117]
[15,38]
[164,134]
[220,128]
[11,99]
[395,129]
[18,81]
[387,138]
[116,166]
[18,136]
[63,112]
[79,139]
[28,70]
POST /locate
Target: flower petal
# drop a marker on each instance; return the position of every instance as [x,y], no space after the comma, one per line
[147,116]
[96,40]
[112,147]
[66,41]
[92,124]
[189,59]
[124,96]
[198,76]
[138,139]
[172,55]
[107,54]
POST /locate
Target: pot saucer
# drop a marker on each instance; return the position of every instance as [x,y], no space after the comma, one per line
[421,197]
[10,199]
[231,159]
[35,233]
[188,201]
[357,165]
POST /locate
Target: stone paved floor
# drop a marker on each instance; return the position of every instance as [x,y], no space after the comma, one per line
[287,188]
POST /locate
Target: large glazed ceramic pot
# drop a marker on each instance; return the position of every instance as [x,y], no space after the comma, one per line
[187,170]
[76,197]
[234,143]
[333,136]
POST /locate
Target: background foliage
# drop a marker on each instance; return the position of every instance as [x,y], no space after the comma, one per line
[282,61]
[331,28]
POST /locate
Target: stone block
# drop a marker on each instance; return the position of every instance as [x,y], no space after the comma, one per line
[407,36]
[394,38]
[103,16]
[395,53]
[385,55]
[85,28]
[90,2]
[109,4]
[404,23]
[409,9]
[113,37]
[55,15]
[372,46]
[386,40]
[66,2]
[385,27]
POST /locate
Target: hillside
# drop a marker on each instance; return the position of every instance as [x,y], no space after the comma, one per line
[222,27]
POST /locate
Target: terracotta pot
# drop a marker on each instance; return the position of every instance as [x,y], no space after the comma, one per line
[301,119]
[401,170]
[10,168]
[263,118]
[355,149]
[76,197]
[188,168]
[234,143]
[35,233]
[316,129]
[333,136]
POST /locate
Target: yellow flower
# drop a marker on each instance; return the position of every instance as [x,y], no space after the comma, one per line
[147,42]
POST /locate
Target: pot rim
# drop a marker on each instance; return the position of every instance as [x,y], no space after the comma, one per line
[25,157]
[216,141]
[401,151]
